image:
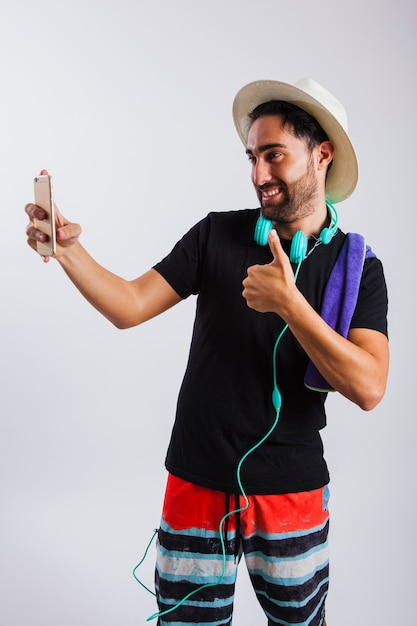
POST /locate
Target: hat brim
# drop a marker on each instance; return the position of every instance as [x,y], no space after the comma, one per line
[343,175]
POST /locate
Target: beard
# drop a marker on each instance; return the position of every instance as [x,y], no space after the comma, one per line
[296,200]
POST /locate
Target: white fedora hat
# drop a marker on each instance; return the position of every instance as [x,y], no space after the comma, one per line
[326,110]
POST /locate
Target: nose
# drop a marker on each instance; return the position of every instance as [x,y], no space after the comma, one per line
[261,173]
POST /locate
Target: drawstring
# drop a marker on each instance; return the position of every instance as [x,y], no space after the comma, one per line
[237,535]
[227,516]
[226,522]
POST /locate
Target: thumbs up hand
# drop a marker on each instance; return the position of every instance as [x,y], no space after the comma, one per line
[271,288]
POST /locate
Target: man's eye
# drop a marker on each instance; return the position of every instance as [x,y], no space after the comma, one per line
[274,155]
[251,158]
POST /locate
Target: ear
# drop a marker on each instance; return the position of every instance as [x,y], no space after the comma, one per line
[325,152]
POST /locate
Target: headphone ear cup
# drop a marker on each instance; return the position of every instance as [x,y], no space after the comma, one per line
[299,246]
[262,229]
[326,236]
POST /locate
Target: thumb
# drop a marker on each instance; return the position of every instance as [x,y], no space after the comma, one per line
[68,233]
[275,246]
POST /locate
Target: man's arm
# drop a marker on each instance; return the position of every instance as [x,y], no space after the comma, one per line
[125,303]
[357,367]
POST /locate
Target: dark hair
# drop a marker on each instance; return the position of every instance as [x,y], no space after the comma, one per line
[304,126]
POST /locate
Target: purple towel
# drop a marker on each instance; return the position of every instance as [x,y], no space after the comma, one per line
[340,297]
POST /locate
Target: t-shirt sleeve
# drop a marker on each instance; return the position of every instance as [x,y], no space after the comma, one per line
[372,305]
[181,268]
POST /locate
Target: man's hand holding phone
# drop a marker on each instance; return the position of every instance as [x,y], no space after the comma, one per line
[48,232]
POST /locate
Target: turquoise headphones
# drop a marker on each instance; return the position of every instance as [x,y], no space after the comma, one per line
[299,242]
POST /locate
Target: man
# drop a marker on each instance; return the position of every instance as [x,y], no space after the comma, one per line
[245,460]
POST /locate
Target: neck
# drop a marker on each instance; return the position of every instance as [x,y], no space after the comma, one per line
[311,224]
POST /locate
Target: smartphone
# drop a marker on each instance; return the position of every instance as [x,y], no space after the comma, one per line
[44,198]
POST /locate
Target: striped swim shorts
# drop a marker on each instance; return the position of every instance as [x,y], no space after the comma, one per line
[203,535]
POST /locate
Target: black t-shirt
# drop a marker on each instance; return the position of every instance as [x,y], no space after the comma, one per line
[224,405]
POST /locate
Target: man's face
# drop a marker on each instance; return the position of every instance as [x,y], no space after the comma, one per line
[283,171]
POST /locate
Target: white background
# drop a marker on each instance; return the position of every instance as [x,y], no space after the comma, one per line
[128,104]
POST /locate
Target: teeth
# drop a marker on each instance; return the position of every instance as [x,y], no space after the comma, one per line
[268,194]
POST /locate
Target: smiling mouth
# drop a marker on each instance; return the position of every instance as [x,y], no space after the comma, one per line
[270,192]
